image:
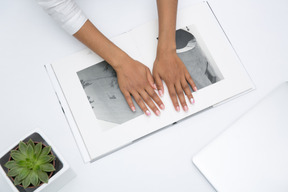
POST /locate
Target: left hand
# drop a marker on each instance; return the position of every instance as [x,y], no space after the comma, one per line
[135,79]
[169,68]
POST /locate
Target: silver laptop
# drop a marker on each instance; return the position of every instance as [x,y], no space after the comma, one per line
[251,155]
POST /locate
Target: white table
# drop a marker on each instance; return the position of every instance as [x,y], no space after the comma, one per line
[162,161]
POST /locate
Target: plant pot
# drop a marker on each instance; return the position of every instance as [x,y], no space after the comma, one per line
[62,170]
[49,173]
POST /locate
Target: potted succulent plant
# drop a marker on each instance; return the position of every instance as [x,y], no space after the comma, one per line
[34,165]
[30,164]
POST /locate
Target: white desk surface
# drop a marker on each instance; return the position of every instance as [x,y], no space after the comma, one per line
[162,161]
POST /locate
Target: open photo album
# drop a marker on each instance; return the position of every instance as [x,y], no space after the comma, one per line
[101,120]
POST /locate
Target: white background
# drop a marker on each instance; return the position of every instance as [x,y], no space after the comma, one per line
[29,38]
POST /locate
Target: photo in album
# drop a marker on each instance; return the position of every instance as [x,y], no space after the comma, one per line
[100,83]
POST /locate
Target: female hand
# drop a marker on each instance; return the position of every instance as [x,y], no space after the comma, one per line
[169,68]
[135,79]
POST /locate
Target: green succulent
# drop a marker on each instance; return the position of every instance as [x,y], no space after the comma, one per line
[30,164]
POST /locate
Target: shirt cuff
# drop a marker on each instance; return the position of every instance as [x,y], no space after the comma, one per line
[66,13]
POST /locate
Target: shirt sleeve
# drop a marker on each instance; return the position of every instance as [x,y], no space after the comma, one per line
[66,13]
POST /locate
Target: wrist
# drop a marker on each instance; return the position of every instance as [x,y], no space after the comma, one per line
[166,45]
[163,49]
[118,59]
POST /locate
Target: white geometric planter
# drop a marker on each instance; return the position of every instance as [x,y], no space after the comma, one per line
[62,175]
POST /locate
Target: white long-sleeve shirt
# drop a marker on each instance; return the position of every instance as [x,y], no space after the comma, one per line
[66,13]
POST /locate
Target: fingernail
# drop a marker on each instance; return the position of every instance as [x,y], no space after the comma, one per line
[192,101]
[162,106]
[157,112]
[185,108]
[154,86]
[177,108]
[195,89]
[133,109]
[160,93]
[147,113]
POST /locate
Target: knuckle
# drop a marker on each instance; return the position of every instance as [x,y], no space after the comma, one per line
[146,97]
[144,108]
[179,92]
[188,92]
[168,81]
[189,78]
[159,87]
[149,102]
[153,108]
[173,94]
[186,87]
[183,102]
[127,97]
[154,95]
[139,100]
[175,103]
[158,100]
[189,95]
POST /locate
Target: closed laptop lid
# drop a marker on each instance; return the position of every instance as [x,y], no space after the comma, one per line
[252,154]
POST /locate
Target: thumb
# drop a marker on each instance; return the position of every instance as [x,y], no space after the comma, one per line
[159,84]
[150,79]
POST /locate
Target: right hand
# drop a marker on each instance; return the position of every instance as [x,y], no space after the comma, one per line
[135,79]
[169,68]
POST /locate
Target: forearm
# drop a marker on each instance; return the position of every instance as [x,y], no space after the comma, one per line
[97,42]
[167,11]
[73,20]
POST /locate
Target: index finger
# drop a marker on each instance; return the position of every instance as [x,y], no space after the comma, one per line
[173,96]
[129,101]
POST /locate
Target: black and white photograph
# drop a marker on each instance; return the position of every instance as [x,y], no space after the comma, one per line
[107,101]
[191,54]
